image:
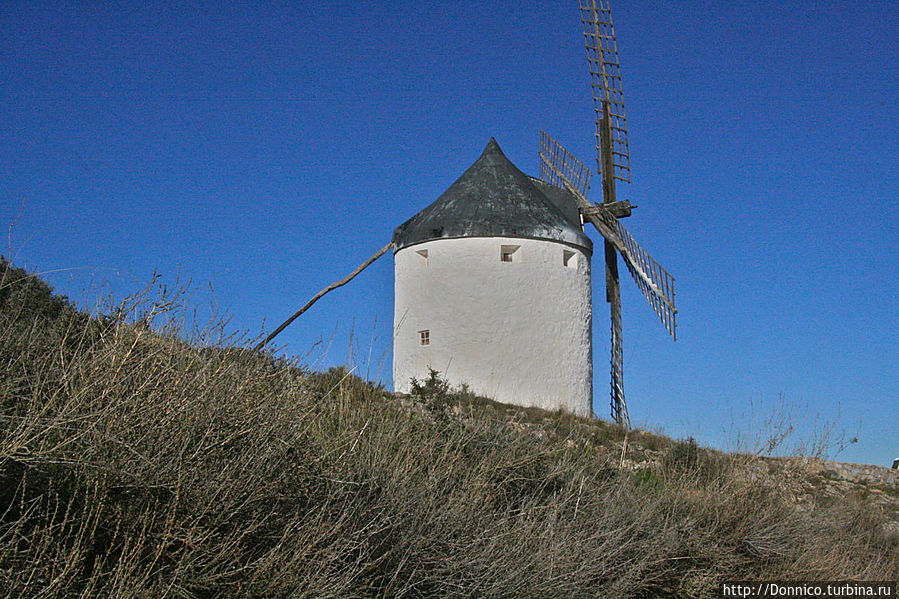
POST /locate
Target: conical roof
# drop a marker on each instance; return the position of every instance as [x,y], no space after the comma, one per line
[495,199]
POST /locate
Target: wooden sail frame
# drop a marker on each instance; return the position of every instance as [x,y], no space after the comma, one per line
[608,94]
[558,167]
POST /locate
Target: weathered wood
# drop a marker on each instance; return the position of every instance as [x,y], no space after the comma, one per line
[560,168]
[621,209]
[654,281]
[606,153]
[613,296]
[613,286]
[613,162]
[605,79]
[607,230]
[318,295]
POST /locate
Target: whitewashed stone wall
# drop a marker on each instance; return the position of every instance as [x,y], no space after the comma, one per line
[518,332]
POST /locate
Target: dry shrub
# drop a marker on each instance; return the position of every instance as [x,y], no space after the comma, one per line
[135,462]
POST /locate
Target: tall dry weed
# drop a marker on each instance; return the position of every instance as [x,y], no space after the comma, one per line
[137,460]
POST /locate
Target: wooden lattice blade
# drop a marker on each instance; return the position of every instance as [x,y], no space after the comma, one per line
[605,80]
[654,281]
[560,168]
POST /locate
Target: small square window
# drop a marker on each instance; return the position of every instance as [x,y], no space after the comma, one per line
[507,253]
[424,337]
[422,257]
[569,259]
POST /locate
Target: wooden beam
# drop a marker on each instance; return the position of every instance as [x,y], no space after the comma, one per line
[620,209]
[318,295]
[607,230]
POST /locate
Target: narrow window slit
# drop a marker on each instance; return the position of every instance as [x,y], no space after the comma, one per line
[508,253]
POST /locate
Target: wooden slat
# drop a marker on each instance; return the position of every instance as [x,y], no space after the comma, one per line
[621,209]
[605,75]
[560,168]
[656,284]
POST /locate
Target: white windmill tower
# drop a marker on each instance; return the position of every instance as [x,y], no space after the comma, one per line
[493,290]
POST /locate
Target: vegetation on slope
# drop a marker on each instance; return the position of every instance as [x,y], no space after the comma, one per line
[141,460]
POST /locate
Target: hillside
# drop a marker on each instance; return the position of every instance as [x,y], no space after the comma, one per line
[140,457]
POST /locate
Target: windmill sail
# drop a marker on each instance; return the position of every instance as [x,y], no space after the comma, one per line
[560,168]
[605,80]
[655,282]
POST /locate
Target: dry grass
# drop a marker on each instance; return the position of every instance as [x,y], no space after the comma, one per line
[136,461]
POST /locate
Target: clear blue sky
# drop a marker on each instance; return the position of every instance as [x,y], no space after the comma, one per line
[267,149]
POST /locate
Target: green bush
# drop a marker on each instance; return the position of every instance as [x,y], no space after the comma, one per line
[686,458]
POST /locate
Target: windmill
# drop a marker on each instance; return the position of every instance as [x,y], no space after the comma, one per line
[510,252]
[560,168]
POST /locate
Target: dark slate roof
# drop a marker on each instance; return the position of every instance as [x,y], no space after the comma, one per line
[561,199]
[495,199]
